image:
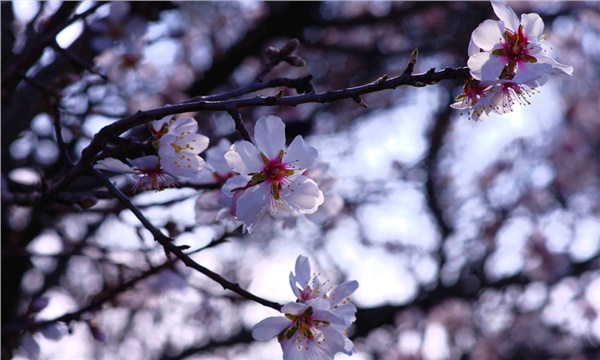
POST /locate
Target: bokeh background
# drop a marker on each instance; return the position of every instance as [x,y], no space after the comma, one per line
[470,240]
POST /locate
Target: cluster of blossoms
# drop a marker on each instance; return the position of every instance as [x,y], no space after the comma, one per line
[178,145]
[314,326]
[270,177]
[507,63]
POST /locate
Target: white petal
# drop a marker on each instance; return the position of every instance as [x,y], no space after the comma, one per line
[244,158]
[299,155]
[506,14]
[485,66]
[215,156]
[54,331]
[251,205]
[337,341]
[346,312]
[303,195]
[528,71]
[294,287]
[533,27]
[293,308]
[112,164]
[473,48]
[270,327]
[302,271]
[342,291]
[182,126]
[326,315]
[269,134]
[567,69]
[194,143]
[145,162]
[488,34]
[31,346]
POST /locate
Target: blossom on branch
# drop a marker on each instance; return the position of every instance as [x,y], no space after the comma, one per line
[510,49]
[179,146]
[271,175]
[507,64]
[314,326]
[146,169]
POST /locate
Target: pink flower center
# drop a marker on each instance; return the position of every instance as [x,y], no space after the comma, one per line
[515,50]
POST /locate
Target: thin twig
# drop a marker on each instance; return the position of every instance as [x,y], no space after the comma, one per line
[59,138]
[165,241]
[239,125]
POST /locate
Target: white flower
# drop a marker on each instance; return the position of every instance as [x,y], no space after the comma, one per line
[314,327]
[146,169]
[509,49]
[179,147]
[271,175]
[476,99]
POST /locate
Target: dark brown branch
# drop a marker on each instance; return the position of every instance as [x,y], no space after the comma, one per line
[165,241]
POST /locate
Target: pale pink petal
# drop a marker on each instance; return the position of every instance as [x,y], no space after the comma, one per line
[215,156]
[270,327]
[530,71]
[299,155]
[336,342]
[488,34]
[112,164]
[251,205]
[183,126]
[473,48]
[533,27]
[145,162]
[303,195]
[293,308]
[567,69]
[341,292]
[244,158]
[54,331]
[269,134]
[303,271]
[194,143]
[346,312]
[294,286]
[506,14]
[326,315]
[485,66]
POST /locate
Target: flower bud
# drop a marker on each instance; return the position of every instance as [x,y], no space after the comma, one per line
[295,60]
[289,47]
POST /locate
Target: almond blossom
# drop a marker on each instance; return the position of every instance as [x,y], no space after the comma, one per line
[476,99]
[146,169]
[510,49]
[314,326]
[271,175]
[179,146]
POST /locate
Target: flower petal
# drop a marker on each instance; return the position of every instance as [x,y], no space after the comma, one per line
[269,133]
[506,14]
[244,158]
[112,164]
[567,69]
[488,34]
[270,327]
[303,195]
[303,271]
[145,162]
[294,308]
[251,206]
[533,27]
[485,66]
[341,292]
[299,155]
